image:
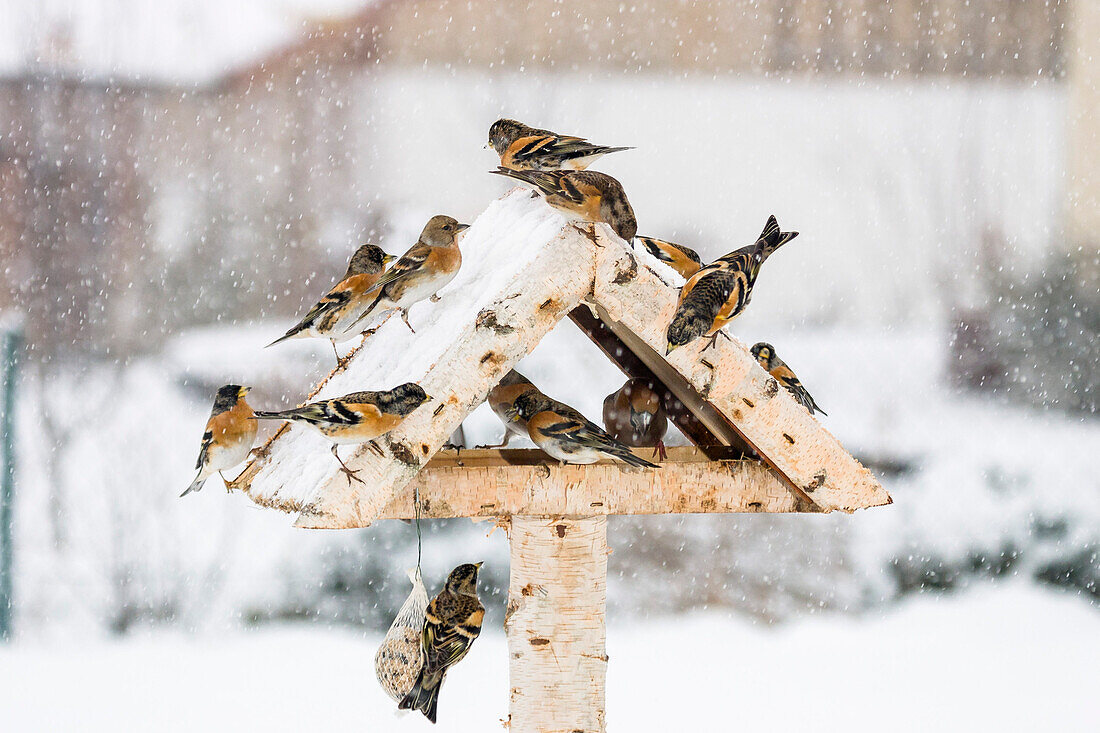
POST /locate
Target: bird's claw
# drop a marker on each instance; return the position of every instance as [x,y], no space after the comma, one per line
[434,299]
[405,318]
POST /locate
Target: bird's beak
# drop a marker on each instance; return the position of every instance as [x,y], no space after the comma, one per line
[387,259]
[245,390]
[462,227]
[427,398]
[512,414]
[479,564]
[670,348]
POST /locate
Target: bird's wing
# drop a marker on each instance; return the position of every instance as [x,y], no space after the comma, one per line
[445,643]
[409,263]
[329,412]
[204,449]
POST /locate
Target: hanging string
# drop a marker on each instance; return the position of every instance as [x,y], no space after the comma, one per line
[419,546]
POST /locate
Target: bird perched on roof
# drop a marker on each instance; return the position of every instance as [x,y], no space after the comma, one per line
[502,397]
[567,435]
[720,291]
[357,417]
[583,196]
[680,258]
[773,365]
[429,264]
[333,315]
[634,415]
[453,621]
[229,434]
[524,148]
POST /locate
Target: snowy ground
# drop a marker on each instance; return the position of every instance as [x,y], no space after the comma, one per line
[1007,658]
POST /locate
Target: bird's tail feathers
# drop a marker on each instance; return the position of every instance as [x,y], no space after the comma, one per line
[288,335]
[196,485]
[543,181]
[424,696]
[627,456]
[772,238]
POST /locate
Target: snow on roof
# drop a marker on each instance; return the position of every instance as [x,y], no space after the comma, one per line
[180,41]
[496,249]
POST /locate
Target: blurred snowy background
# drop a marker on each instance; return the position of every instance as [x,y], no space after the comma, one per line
[178,179]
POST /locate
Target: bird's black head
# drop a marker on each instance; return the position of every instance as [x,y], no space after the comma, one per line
[228,396]
[764,354]
[527,405]
[368,260]
[463,580]
[503,133]
[404,398]
[686,326]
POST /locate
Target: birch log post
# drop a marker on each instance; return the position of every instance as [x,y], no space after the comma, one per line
[555,622]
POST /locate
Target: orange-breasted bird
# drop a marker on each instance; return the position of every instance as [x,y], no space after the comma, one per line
[567,435]
[582,196]
[333,315]
[501,399]
[357,417]
[229,434]
[635,416]
[680,258]
[773,365]
[524,148]
[429,264]
[720,291]
[453,621]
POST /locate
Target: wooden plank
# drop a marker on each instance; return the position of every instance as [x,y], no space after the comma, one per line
[638,306]
[499,483]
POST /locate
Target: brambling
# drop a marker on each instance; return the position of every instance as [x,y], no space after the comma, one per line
[634,416]
[333,315]
[567,435]
[524,148]
[355,418]
[680,258]
[429,264]
[502,397]
[773,365]
[452,622]
[582,196]
[720,291]
[229,435]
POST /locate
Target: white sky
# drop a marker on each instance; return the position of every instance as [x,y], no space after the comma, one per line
[169,40]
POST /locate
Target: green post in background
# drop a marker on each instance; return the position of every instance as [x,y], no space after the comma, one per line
[10,343]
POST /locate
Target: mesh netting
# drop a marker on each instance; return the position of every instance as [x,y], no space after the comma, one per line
[398,661]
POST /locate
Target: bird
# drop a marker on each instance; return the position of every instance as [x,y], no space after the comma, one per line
[720,291]
[429,264]
[567,435]
[357,417]
[680,258]
[502,397]
[773,365]
[634,415]
[333,315]
[229,434]
[583,196]
[452,622]
[524,148]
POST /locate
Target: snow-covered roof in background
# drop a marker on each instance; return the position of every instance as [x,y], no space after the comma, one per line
[178,41]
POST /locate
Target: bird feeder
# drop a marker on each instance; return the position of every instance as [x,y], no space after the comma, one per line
[524,270]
